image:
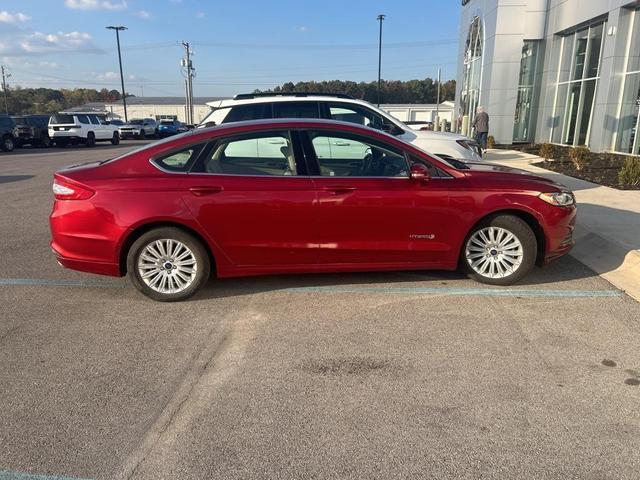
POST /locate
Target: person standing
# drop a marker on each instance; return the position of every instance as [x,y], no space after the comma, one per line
[481,125]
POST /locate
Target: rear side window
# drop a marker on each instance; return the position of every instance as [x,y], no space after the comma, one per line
[295,110]
[179,160]
[83,119]
[62,120]
[255,111]
[256,154]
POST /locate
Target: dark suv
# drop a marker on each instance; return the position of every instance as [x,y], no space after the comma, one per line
[32,130]
[7,137]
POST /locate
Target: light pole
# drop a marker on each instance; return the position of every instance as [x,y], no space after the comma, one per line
[124,99]
[380,19]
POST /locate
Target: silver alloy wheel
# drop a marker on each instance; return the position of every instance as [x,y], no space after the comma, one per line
[494,252]
[167,266]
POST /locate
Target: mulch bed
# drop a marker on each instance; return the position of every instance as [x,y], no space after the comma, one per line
[602,168]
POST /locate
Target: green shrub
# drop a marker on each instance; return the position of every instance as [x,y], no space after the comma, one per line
[579,157]
[491,142]
[629,174]
[547,151]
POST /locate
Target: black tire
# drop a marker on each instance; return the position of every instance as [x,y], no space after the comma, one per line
[156,134]
[142,135]
[91,140]
[521,231]
[202,260]
[45,141]
[8,143]
[115,140]
[61,142]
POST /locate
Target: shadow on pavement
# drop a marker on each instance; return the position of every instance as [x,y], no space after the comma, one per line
[14,178]
[565,269]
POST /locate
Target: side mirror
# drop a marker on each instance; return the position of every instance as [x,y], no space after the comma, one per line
[419,173]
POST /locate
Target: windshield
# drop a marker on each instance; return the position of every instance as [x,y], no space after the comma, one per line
[61,120]
[135,122]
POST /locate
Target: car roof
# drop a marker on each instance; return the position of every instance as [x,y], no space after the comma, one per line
[284,98]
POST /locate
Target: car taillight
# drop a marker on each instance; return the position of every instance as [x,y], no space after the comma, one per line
[464,144]
[69,191]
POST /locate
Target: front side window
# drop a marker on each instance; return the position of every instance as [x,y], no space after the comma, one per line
[180,160]
[295,110]
[344,155]
[258,154]
[94,119]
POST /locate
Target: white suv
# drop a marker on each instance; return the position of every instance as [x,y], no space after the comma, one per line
[139,128]
[86,128]
[338,107]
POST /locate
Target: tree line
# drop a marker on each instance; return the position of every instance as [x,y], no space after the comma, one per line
[391,91]
[24,101]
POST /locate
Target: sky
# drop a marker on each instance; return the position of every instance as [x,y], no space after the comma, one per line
[238,45]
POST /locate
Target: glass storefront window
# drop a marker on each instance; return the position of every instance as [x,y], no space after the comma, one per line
[628,138]
[522,127]
[470,94]
[575,94]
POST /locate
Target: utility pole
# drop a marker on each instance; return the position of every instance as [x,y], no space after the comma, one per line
[189,73]
[380,19]
[5,87]
[438,103]
[124,97]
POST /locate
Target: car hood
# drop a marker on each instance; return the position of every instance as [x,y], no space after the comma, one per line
[476,169]
[431,135]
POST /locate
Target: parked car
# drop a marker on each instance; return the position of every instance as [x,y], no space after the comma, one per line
[272,196]
[81,128]
[115,121]
[170,127]
[32,130]
[255,106]
[139,128]
[7,134]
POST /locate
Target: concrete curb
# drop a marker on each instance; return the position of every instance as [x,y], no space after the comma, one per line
[613,261]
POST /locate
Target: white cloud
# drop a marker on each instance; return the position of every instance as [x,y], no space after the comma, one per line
[143,14]
[6,17]
[200,14]
[132,78]
[22,42]
[95,4]
[303,28]
[107,76]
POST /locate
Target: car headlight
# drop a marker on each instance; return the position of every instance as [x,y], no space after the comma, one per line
[559,199]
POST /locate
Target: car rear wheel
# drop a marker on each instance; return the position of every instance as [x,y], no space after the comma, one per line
[500,250]
[115,140]
[91,140]
[8,144]
[142,134]
[168,264]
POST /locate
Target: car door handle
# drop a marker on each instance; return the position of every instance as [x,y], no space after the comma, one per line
[202,191]
[337,189]
[342,144]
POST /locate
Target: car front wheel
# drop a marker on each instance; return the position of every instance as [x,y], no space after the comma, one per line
[8,144]
[500,250]
[115,140]
[168,264]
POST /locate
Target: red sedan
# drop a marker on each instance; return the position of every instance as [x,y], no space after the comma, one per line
[291,196]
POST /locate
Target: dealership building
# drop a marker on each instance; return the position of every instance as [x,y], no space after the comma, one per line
[559,71]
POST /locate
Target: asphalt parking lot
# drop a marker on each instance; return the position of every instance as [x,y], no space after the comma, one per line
[385,375]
